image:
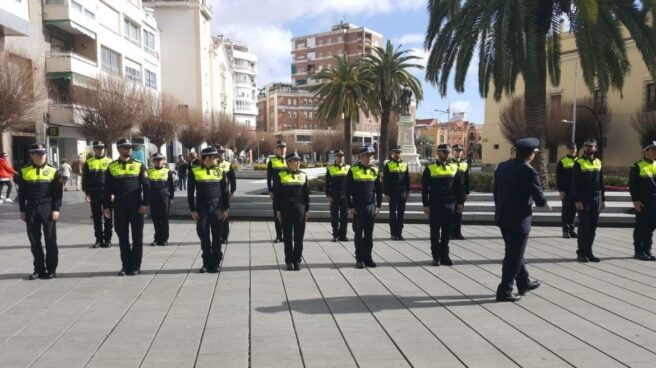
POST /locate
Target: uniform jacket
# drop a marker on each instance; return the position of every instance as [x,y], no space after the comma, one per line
[127,182]
[642,182]
[206,189]
[363,187]
[39,185]
[336,179]
[161,182]
[587,179]
[442,183]
[564,173]
[274,166]
[396,177]
[291,188]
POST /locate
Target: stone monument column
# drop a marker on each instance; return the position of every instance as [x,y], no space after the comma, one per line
[406,136]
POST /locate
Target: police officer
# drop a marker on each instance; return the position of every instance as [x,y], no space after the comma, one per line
[292,203]
[39,198]
[642,183]
[463,168]
[210,209]
[363,192]
[231,182]
[589,198]
[276,164]
[335,180]
[396,188]
[442,195]
[127,193]
[516,187]
[162,192]
[564,185]
[93,185]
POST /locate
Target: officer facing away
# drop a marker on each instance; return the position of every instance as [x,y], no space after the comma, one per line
[589,198]
[516,187]
[40,193]
[442,195]
[211,207]
[564,185]
[396,188]
[642,184]
[335,181]
[364,198]
[292,203]
[162,192]
[127,193]
[231,183]
[276,164]
[463,168]
[93,185]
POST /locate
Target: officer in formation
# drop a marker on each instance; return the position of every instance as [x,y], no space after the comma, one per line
[463,167]
[564,186]
[642,184]
[209,203]
[396,188]
[40,191]
[127,194]
[93,185]
[276,164]
[589,198]
[442,195]
[162,192]
[292,204]
[335,181]
[364,197]
[231,182]
[516,187]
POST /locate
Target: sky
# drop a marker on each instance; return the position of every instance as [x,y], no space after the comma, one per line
[267,27]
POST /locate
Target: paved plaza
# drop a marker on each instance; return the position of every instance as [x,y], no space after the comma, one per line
[405,313]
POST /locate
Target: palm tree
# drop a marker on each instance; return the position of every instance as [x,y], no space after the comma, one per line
[345,91]
[390,68]
[523,37]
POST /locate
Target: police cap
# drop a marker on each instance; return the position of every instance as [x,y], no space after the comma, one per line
[293,156]
[281,144]
[648,145]
[397,149]
[37,148]
[527,145]
[367,150]
[209,151]
[124,143]
[98,144]
[590,142]
[339,153]
[158,156]
[443,148]
[571,145]
[457,147]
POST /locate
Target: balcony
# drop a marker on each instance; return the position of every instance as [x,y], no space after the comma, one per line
[14,19]
[69,64]
[65,115]
[71,17]
[206,8]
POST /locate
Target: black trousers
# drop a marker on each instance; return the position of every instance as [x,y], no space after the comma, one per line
[514,265]
[456,229]
[128,219]
[568,212]
[182,182]
[159,213]
[363,225]
[396,212]
[226,230]
[588,219]
[8,184]
[209,228]
[293,223]
[645,225]
[339,216]
[441,220]
[38,219]
[102,226]
[279,233]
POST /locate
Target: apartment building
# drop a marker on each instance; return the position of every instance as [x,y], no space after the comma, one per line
[221,74]
[431,132]
[244,71]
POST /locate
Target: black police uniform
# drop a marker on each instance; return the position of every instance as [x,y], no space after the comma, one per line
[39,194]
[335,181]
[162,192]
[127,182]
[292,199]
[363,192]
[396,185]
[564,184]
[463,167]
[276,164]
[231,181]
[642,184]
[442,189]
[516,187]
[208,184]
[93,185]
[588,188]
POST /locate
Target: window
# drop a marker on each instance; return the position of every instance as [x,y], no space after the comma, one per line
[89,14]
[600,100]
[289,114]
[305,114]
[650,103]
[111,61]
[131,31]
[151,79]
[132,71]
[294,114]
[149,41]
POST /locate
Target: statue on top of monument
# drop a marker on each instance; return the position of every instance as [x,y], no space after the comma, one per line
[406,100]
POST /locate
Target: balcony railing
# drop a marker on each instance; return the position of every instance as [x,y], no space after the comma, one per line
[70,62]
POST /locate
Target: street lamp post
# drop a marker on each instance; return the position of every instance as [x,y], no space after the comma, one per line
[258,147]
[599,128]
[576,67]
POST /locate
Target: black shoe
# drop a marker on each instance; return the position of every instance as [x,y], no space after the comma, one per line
[203,270]
[532,285]
[581,258]
[213,270]
[224,241]
[290,267]
[593,259]
[460,237]
[566,234]
[436,262]
[34,276]
[573,234]
[642,256]
[359,265]
[154,243]
[452,237]
[651,258]
[278,239]
[106,244]
[134,273]
[97,244]
[163,244]
[400,238]
[297,266]
[446,260]
[508,298]
[334,239]
[121,273]
[344,239]
[370,264]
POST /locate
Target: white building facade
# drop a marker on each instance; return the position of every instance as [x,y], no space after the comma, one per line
[244,72]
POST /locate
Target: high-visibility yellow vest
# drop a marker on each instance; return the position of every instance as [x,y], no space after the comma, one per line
[278,163]
[33,174]
[120,170]
[335,170]
[647,169]
[289,178]
[568,162]
[446,171]
[155,174]
[207,175]
[588,166]
[225,166]
[397,167]
[364,174]
[98,164]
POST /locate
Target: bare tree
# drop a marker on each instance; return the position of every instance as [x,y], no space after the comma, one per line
[245,139]
[194,130]
[644,123]
[267,142]
[321,143]
[223,130]
[162,120]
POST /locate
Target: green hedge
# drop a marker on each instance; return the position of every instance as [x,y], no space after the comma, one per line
[317,185]
[260,167]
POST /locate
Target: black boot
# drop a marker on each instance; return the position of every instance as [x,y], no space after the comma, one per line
[566,234]
[572,233]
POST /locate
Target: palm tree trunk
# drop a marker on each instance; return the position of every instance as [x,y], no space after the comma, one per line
[535,101]
[383,145]
[348,140]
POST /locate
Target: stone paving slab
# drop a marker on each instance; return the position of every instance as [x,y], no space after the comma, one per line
[405,313]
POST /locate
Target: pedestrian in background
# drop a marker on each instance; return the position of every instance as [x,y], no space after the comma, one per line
[76,174]
[65,173]
[182,167]
[6,176]
[642,183]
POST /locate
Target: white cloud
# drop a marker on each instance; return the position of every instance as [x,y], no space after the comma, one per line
[460,106]
[409,39]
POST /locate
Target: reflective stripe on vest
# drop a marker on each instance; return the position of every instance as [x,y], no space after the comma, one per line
[439,171]
[287,178]
[45,174]
[155,174]
[98,164]
[362,174]
[205,175]
[462,165]
[568,162]
[588,166]
[335,170]
[397,167]
[119,170]
[278,163]
[647,169]
[225,166]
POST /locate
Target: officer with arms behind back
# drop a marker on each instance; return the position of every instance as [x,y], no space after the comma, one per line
[231,182]
[335,181]
[40,193]
[162,192]
[463,168]
[276,164]
[564,185]
[642,183]
[396,188]
[93,185]
[516,187]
